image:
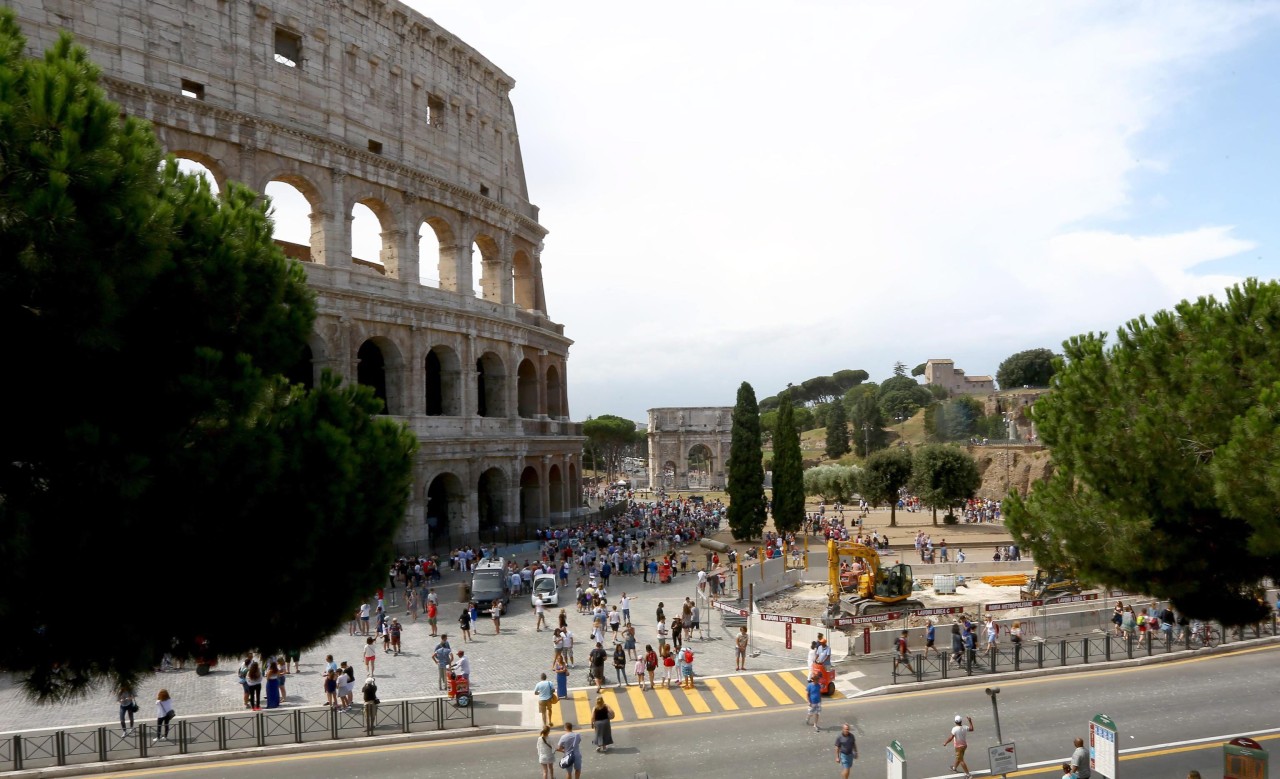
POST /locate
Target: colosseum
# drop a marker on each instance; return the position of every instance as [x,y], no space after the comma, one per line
[371,111]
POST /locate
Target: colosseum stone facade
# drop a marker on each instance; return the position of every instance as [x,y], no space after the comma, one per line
[369,102]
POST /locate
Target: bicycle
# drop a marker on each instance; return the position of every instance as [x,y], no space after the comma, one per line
[1206,635]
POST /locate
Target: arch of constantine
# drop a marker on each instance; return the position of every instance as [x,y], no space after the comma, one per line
[688,447]
[370,104]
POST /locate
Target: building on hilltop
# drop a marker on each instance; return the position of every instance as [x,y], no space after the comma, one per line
[358,105]
[945,374]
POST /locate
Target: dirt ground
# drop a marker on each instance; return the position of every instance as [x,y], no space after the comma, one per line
[810,600]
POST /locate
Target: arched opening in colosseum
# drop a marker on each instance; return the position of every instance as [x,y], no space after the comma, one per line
[446,512]
[429,258]
[486,261]
[491,386]
[555,491]
[524,281]
[444,382]
[378,367]
[207,168]
[700,467]
[669,474]
[555,394]
[303,369]
[295,212]
[530,498]
[527,389]
[369,248]
[491,499]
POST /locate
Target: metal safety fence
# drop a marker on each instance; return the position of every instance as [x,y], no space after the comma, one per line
[1050,652]
[215,733]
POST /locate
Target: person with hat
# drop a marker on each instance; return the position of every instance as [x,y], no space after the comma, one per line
[961,740]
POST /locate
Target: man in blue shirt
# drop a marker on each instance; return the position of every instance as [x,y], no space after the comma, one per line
[814,691]
[443,655]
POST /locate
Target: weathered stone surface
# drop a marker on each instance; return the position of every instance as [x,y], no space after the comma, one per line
[678,435]
[370,102]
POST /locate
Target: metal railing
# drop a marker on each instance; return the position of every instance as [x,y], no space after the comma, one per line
[215,733]
[1069,651]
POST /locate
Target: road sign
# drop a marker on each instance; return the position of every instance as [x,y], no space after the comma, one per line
[1244,758]
[787,618]
[846,621]
[788,635]
[730,609]
[1003,757]
[1102,746]
[897,760]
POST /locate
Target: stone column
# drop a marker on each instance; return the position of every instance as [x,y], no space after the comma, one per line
[333,226]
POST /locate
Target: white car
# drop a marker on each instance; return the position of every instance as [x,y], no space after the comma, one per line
[545,590]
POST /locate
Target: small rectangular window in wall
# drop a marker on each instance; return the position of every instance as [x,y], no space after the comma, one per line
[288,47]
[484,191]
[375,146]
[192,89]
[435,111]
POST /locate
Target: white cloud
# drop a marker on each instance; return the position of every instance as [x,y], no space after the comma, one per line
[767,192]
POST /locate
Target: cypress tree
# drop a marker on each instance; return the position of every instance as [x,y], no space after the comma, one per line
[788,471]
[746,469]
[837,431]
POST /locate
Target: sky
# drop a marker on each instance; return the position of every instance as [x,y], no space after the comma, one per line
[742,191]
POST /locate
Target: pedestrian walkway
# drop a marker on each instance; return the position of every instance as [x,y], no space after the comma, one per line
[710,695]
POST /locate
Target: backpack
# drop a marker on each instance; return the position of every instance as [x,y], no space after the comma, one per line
[688,655]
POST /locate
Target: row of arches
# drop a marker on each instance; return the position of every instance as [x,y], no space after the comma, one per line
[539,392]
[535,502]
[429,245]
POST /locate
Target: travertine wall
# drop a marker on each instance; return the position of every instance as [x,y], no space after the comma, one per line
[370,102]
[675,432]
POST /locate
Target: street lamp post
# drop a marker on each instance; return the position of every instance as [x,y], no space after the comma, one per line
[866,440]
[1008,437]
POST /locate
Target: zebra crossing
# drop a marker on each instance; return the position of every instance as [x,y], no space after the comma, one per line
[709,695]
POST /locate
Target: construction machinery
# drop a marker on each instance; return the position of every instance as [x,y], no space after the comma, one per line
[865,587]
[1050,583]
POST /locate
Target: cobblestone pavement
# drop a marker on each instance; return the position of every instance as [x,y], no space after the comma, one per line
[510,661]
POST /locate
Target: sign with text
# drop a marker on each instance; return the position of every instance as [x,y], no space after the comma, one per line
[731,610]
[1102,746]
[871,618]
[1071,598]
[937,611]
[787,618]
[1003,757]
[897,760]
[1018,604]
[1244,758]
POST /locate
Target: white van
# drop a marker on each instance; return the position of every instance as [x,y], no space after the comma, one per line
[545,590]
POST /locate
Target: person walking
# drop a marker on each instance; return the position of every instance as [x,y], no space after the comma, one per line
[813,691]
[668,664]
[546,702]
[496,612]
[164,715]
[433,613]
[600,717]
[740,648]
[546,752]
[629,641]
[571,745]
[846,750]
[597,658]
[541,611]
[930,631]
[650,664]
[464,622]
[1080,760]
[273,686]
[561,670]
[961,740]
[903,657]
[128,706]
[620,665]
[370,655]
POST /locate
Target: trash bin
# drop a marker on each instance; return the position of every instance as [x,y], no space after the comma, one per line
[464,593]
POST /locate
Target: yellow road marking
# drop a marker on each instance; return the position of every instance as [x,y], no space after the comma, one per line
[774,690]
[582,706]
[793,681]
[668,702]
[745,690]
[717,689]
[639,703]
[611,701]
[695,698]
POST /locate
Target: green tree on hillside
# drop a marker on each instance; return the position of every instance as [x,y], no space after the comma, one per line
[837,431]
[902,394]
[150,433]
[885,474]
[788,472]
[848,379]
[831,482]
[956,419]
[918,370]
[745,489]
[866,420]
[1032,368]
[1165,447]
[943,476]
[610,438]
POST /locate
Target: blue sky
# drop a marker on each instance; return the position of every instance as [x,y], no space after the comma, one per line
[739,190]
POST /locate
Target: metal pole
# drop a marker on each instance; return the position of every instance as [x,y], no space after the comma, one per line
[995,709]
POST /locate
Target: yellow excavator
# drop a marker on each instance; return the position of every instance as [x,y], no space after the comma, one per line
[1050,583]
[873,590]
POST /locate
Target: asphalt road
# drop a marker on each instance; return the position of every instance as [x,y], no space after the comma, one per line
[1171,717]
